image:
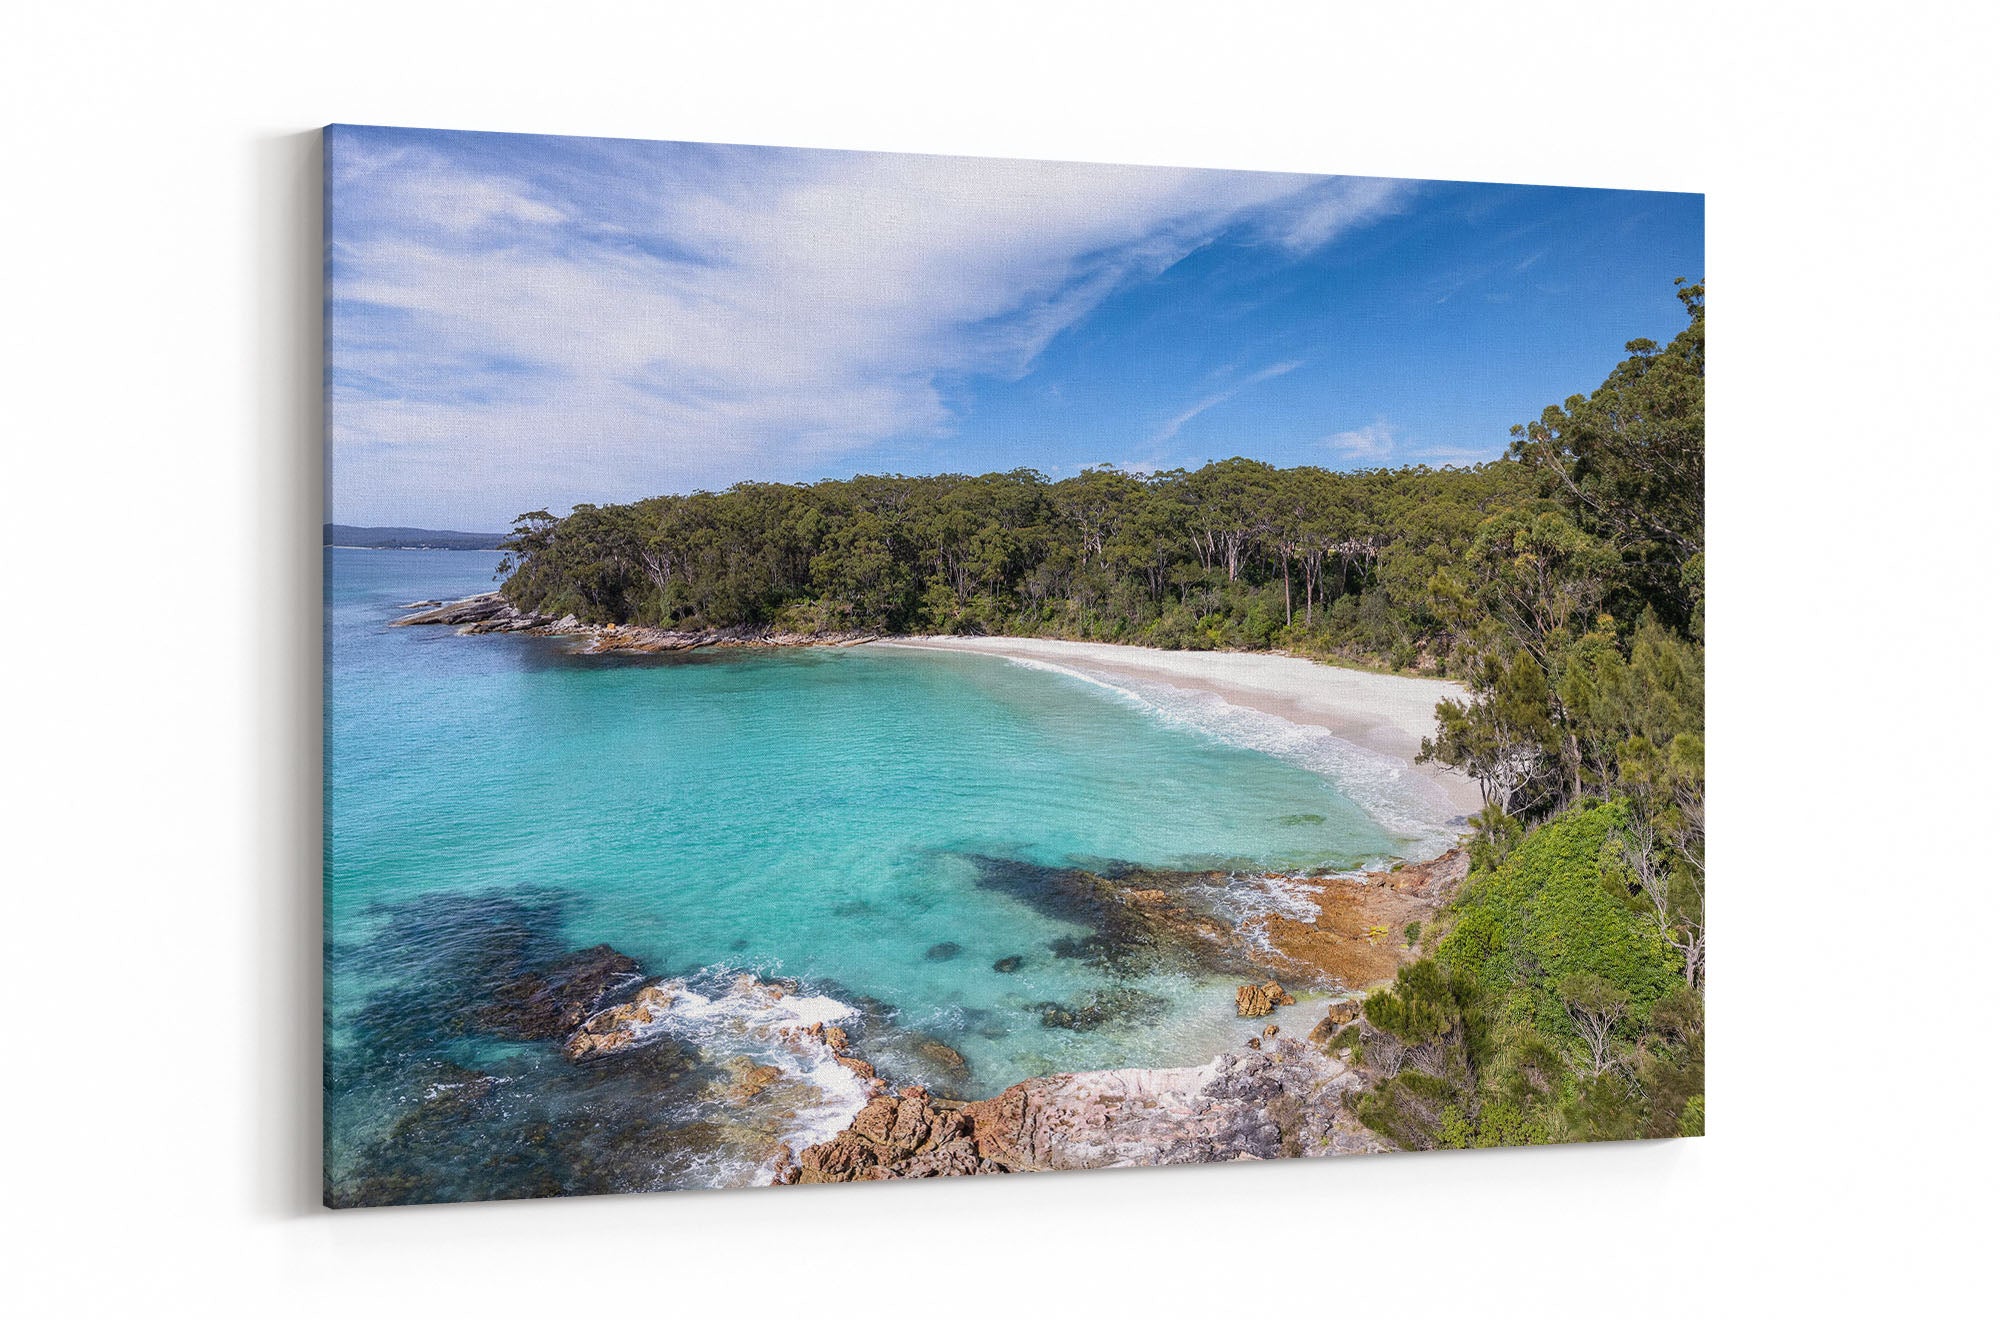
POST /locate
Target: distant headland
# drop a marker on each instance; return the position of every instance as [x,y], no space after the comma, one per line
[420,539]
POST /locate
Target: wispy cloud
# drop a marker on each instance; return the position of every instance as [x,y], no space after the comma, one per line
[540,322]
[1180,419]
[1364,446]
[1380,444]
[1320,215]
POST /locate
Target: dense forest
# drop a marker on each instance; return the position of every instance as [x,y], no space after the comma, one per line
[1237,554]
[1559,997]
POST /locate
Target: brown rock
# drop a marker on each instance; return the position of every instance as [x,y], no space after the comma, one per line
[1282,1100]
[904,1136]
[747,1078]
[1255,1001]
[943,1056]
[1338,1015]
[1271,1030]
[614,1029]
[586,1045]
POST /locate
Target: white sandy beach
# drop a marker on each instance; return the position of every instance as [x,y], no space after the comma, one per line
[1389,715]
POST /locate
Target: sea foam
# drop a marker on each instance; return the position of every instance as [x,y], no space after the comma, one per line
[724,1013]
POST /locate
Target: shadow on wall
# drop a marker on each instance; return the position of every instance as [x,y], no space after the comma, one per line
[288,474]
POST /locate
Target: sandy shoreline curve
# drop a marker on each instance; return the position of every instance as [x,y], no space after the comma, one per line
[1389,715]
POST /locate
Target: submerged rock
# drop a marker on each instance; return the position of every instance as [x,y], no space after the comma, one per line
[1011,963]
[945,1057]
[552,1000]
[943,952]
[747,1078]
[1124,1004]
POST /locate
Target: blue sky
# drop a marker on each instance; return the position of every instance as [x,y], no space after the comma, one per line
[521,322]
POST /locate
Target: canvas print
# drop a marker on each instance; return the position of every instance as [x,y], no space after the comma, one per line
[848,666]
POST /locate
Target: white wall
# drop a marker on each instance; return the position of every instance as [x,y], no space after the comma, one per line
[159,317]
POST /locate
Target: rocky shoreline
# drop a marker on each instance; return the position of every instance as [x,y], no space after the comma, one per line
[792,1082]
[493,613]
[1288,1099]
[1275,1096]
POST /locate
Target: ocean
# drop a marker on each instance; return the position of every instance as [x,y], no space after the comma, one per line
[895,832]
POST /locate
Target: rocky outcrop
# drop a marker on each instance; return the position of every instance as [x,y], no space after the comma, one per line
[493,613]
[551,1001]
[614,1029]
[1338,1015]
[638,639]
[487,613]
[909,1135]
[1357,931]
[1285,1100]
[1256,1000]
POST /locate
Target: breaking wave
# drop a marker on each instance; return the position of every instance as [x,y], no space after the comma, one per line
[732,1016]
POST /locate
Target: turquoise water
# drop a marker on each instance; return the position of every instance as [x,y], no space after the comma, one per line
[878,822]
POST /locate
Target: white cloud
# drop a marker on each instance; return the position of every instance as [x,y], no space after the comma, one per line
[1380,444]
[661,322]
[1368,445]
[1336,206]
[1180,419]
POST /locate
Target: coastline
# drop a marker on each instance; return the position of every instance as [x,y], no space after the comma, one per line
[1287,1090]
[1388,715]
[795,1075]
[1280,1085]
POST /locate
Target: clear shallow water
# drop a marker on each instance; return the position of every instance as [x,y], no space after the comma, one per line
[842,817]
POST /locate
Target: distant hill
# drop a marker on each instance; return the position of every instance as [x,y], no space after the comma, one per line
[342,534]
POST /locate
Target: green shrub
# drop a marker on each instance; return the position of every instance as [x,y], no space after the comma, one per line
[1552,909]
